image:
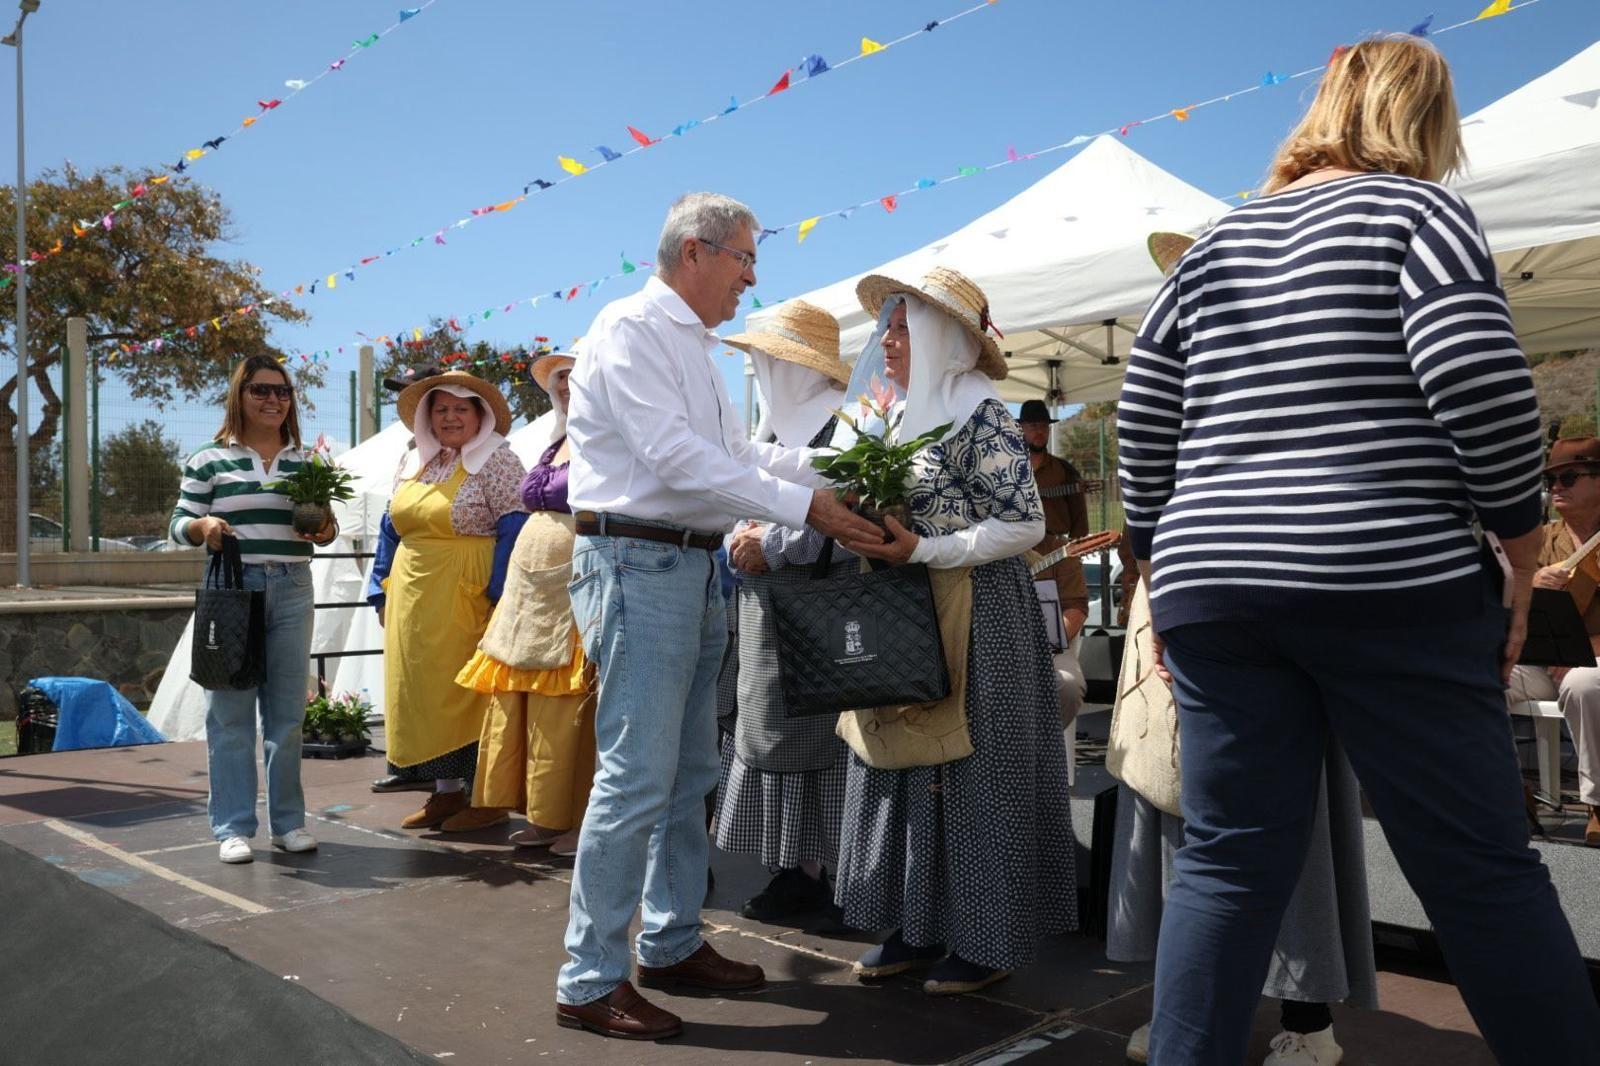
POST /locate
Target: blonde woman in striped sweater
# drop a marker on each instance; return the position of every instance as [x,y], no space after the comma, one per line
[223,493]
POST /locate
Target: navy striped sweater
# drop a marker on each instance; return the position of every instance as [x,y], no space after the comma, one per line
[1322,398]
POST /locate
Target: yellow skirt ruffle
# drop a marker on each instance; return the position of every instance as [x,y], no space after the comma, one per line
[484,673]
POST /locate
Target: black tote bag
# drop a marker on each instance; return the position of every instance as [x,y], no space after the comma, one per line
[858,640]
[230,626]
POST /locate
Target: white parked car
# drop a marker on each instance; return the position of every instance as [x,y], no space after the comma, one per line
[44,535]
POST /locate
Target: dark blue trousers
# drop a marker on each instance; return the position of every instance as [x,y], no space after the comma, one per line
[1422,714]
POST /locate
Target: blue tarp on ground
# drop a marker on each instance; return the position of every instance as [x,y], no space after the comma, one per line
[92,714]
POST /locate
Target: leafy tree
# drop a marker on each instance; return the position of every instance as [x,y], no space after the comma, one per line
[443,345]
[139,469]
[156,271]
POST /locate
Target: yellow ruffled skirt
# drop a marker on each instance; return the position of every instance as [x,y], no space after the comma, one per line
[537,749]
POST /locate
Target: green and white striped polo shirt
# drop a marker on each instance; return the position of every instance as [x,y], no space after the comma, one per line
[226,481]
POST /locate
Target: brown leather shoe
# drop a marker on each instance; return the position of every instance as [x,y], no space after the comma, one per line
[475,818]
[1591,832]
[624,1014]
[704,969]
[440,805]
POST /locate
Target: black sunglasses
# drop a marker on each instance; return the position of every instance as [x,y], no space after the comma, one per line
[261,391]
[1567,478]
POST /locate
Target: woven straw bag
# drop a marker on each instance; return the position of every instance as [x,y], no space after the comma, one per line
[1142,751]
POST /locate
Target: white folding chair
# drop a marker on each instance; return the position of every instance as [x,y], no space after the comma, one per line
[1547,722]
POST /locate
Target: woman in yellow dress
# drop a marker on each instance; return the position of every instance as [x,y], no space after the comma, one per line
[538,746]
[457,510]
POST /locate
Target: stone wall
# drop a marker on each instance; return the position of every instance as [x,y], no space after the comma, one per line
[128,648]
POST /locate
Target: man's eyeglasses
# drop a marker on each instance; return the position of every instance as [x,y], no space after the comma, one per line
[1567,478]
[263,391]
[746,259]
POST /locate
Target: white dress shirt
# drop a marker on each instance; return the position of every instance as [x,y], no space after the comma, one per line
[654,434]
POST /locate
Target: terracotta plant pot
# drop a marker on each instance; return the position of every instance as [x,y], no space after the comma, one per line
[310,518]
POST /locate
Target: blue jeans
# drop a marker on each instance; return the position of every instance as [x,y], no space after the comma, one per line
[281,698]
[1421,713]
[654,623]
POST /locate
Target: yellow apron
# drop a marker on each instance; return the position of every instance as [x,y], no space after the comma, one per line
[436,610]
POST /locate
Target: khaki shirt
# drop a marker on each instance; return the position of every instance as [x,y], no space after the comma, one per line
[1559,543]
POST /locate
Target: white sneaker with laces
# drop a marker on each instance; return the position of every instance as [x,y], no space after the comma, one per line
[295,840]
[235,850]
[1304,1049]
[1139,1044]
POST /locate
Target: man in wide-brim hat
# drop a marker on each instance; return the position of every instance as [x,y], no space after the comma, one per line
[1572,476]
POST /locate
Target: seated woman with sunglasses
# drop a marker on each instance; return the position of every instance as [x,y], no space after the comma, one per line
[223,494]
[1573,478]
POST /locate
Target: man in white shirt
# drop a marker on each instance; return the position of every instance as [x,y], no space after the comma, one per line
[660,472]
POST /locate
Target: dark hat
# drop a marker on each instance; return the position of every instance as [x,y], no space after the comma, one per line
[1034,411]
[412,374]
[1574,451]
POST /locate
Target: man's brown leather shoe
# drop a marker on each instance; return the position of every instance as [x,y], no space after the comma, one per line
[624,1014]
[1591,832]
[704,969]
[440,806]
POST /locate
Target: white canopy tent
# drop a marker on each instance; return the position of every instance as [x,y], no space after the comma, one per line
[1533,180]
[1065,267]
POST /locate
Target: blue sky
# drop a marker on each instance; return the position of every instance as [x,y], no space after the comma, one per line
[465,103]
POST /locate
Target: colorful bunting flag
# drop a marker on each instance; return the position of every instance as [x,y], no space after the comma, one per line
[813,65]
[409,13]
[783,83]
[540,182]
[1421,28]
[1499,7]
[610,156]
[268,105]
[337,64]
[194,153]
[926,183]
[869,46]
[967,172]
[1269,79]
[296,84]
[571,166]
[365,42]
[807,226]
[627,267]
[890,203]
[1181,114]
[644,139]
[733,105]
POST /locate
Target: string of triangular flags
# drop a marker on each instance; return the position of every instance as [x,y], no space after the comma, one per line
[889,203]
[264,107]
[811,66]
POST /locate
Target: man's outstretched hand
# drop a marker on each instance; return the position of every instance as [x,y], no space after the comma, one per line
[833,519]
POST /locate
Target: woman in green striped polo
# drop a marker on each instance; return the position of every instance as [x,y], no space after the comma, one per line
[222,494]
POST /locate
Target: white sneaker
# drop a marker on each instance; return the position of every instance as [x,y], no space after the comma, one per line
[1139,1044]
[1304,1049]
[295,840]
[235,850]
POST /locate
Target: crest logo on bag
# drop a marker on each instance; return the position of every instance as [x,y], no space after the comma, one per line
[854,640]
[211,637]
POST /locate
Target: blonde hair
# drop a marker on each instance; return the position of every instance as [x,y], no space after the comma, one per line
[233,412]
[1385,106]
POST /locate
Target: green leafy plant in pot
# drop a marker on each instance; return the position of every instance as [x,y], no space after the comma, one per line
[313,488]
[877,468]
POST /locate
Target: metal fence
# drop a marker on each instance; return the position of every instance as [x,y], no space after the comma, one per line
[137,448]
[1090,445]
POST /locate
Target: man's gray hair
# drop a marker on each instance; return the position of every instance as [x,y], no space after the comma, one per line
[708,216]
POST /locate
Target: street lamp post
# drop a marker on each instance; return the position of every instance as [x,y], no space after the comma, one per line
[24,577]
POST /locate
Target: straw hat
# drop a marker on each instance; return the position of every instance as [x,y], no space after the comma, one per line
[798,333]
[951,292]
[1167,248]
[547,364]
[408,400]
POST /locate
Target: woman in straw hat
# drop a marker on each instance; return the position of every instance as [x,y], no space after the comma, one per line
[538,744]
[457,508]
[1324,950]
[782,790]
[1324,398]
[969,862]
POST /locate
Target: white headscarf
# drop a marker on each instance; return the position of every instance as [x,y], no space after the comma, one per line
[945,384]
[796,401]
[473,455]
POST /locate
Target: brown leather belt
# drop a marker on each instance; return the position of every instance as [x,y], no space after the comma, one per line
[587,524]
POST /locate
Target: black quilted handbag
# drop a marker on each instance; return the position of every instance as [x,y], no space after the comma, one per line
[230,626]
[858,640]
